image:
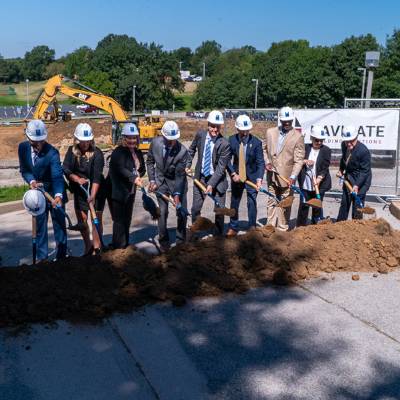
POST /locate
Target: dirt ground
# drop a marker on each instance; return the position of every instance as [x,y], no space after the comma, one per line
[61,134]
[91,288]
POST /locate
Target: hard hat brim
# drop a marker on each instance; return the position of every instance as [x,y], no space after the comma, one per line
[36,138]
[174,137]
[349,139]
[317,136]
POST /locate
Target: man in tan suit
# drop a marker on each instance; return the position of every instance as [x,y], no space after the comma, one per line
[284,153]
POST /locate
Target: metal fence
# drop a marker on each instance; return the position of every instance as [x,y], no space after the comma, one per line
[371,103]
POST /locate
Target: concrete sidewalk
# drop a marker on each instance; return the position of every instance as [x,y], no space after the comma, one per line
[273,343]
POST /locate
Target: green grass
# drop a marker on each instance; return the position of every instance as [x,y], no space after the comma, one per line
[12,193]
[184,101]
[11,101]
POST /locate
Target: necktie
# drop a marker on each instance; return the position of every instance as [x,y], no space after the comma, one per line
[167,151]
[35,157]
[207,159]
[242,163]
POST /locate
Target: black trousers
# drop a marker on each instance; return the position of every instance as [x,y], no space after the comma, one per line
[198,200]
[347,201]
[163,235]
[302,215]
[122,217]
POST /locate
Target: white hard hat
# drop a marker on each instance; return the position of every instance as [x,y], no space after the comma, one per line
[243,123]
[36,130]
[34,202]
[318,132]
[170,130]
[83,131]
[130,129]
[349,133]
[215,117]
[286,114]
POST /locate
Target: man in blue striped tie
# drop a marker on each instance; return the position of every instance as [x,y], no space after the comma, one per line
[213,156]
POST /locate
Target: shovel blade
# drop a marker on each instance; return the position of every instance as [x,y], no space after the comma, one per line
[229,212]
[315,203]
[202,224]
[77,227]
[286,203]
[367,210]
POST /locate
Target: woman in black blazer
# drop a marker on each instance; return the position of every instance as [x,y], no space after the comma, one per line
[84,162]
[316,164]
[126,169]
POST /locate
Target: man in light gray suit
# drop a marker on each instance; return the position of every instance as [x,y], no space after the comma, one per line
[214,154]
[166,162]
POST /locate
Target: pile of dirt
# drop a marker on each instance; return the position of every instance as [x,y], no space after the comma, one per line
[123,280]
[61,133]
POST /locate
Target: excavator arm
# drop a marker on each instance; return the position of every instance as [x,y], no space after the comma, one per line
[55,85]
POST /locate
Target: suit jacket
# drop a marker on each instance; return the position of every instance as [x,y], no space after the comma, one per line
[170,176]
[358,169]
[289,161]
[321,167]
[123,172]
[46,170]
[220,158]
[255,165]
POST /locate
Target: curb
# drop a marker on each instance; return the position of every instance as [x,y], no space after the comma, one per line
[11,206]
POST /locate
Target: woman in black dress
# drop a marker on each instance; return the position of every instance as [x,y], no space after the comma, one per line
[83,165]
[315,170]
[126,169]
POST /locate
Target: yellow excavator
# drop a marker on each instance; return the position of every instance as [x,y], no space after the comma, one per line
[57,84]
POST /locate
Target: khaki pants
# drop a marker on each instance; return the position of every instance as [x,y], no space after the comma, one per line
[277,216]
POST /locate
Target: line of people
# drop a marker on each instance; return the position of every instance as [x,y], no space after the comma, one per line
[283,157]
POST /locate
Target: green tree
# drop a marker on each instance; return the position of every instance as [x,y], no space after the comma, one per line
[387,82]
[79,62]
[184,55]
[208,53]
[36,61]
[99,81]
[54,68]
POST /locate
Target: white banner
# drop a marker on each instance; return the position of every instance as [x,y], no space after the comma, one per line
[378,129]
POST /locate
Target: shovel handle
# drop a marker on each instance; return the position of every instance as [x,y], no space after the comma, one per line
[251,184]
[316,186]
[348,185]
[200,185]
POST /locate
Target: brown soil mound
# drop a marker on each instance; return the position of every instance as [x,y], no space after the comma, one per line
[122,280]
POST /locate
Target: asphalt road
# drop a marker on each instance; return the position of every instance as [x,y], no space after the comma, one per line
[329,338]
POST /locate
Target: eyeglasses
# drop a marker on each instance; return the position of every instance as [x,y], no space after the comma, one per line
[318,140]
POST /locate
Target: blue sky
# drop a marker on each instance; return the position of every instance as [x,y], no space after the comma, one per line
[67,25]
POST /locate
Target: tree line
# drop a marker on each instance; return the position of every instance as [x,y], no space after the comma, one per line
[290,72]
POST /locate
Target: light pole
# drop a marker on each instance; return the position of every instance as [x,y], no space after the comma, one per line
[371,62]
[204,71]
[255,98]
[180,65]
[27,95]
[363,84]
[134,100]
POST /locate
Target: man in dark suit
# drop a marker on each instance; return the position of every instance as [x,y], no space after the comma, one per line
[40,165]
[317,160]
[248,164]
[213,156]
[126,169]
[166,162]
[355,166]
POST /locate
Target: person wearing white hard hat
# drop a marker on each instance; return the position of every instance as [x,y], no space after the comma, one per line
[126,170]
[355,167]
[166,162]
[284,155]
[40,165]
[83,165]
[248,164]
[213,153]
[316,168]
